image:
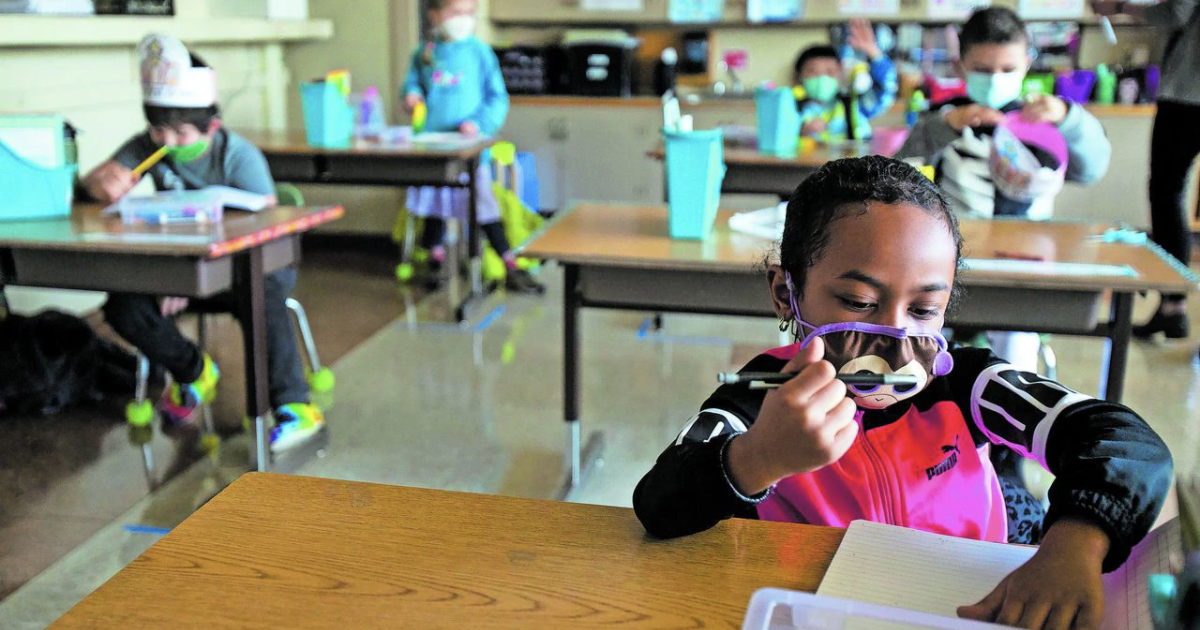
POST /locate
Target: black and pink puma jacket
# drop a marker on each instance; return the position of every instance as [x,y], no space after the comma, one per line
[923,462]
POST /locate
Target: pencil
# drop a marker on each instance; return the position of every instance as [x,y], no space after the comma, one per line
[771,380]
[150,161]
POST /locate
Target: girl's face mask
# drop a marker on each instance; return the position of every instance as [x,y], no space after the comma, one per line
[862,348]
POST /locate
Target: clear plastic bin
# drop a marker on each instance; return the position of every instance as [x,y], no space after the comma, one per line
[779,609]
[184,207]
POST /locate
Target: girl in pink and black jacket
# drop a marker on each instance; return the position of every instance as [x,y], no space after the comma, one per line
[867,270]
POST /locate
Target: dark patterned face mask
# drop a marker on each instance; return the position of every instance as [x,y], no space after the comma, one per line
[862,348]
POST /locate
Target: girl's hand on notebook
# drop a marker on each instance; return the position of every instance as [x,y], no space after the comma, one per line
[469,129]
[975,115]
[806,424]
[1058,589]
[110,181]
[1045,108]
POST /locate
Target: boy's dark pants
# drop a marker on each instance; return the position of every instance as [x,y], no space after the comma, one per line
[1173,147]
[137,318]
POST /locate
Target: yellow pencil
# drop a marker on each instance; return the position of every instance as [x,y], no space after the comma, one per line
[150,161]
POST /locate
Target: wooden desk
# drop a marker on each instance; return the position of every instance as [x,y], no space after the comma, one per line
[619,257]
[374,164]
[91,252]
[275,551]
[748,171]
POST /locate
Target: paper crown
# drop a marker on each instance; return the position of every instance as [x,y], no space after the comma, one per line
[168,77]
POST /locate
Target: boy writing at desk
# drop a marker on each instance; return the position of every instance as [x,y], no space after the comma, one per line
[179,95]
[867,269]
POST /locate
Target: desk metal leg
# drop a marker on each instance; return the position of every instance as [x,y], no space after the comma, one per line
[248,278]
[1119,334]
[474,248]
[578,457]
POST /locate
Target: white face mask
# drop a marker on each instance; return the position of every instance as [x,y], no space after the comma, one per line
[995,90]
[458,28]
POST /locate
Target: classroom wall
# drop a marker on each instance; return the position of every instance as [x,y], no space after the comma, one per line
[97,90]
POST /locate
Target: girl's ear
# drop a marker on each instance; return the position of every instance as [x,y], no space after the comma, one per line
[780,295]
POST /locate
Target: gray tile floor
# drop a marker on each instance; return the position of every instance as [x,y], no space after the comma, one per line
[437,407]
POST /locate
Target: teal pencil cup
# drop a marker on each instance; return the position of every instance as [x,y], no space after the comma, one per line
[695,162]
[328,117]
[778,121]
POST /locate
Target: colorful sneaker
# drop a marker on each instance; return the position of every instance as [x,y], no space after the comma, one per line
[180,401]
[295,423]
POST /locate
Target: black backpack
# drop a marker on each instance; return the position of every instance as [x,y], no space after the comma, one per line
[53,360]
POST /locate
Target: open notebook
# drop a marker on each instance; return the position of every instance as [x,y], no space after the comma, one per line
[930,573]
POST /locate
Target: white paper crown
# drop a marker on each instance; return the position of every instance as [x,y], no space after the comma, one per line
[168,77]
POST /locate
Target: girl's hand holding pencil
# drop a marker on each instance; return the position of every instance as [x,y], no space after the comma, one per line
[805,424]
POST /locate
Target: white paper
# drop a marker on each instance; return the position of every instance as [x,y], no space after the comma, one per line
[1045,268]
[869,7]
[1048,9]
[773,10]
[954,9]
[905,568]
[37,139]
[766,223]
[613,5]
[227,196]
[695,11]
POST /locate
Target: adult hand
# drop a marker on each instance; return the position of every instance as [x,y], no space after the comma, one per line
[1058,589]
[862,38]
[974,115]
[110,181]
[806,424]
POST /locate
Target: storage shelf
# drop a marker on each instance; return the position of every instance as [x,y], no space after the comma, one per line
[37,31]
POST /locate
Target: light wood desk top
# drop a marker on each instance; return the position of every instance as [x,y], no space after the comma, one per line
[276,551]
[636,236]
[295,143]
[87,231]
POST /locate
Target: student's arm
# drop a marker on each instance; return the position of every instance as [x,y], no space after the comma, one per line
[1087,145]
[690,488]
[490,116]
[928,138]
[246,168]
[1111,469]
[114,178]
[885,85]
[412,83]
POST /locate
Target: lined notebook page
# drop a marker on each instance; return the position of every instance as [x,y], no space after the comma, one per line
[906,568]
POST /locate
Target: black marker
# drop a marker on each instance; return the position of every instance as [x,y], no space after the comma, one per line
[772,380]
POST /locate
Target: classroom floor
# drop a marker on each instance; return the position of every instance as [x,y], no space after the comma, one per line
[474,410]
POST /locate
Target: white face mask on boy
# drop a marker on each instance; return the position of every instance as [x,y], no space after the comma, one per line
[458,28]
[995,90]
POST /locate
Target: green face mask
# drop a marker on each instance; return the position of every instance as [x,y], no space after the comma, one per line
[823,88]
[189,152]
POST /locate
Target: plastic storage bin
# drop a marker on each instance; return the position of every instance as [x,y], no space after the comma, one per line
[30,191]
[778,609]
[695,162]
[778,121]
[328,117]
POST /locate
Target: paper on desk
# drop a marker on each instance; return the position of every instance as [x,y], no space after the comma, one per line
[905,568]
[38,139]
[766,223]
[446,139]
[1046,268]
[229,198]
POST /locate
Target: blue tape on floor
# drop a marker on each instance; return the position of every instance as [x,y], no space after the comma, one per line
[480,326]
[644,334]
[147,529]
